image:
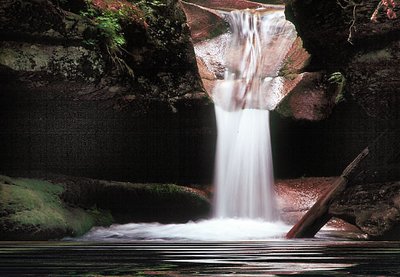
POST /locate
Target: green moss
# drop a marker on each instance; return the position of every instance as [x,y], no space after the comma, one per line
[287,71]
[35,206]
[36,209]
[82,220]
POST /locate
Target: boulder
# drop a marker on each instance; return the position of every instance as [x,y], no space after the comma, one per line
[374,208]
[37,209]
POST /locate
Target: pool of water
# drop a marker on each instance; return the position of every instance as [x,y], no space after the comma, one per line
[317,257]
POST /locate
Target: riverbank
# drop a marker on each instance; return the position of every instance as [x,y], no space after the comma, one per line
[57,206]
[61,206]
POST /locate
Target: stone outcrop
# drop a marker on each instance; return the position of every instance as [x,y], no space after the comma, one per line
[78,106]
[341,37]
[204,23]
[365,52]
[112,49]
[299,87]
[374,208]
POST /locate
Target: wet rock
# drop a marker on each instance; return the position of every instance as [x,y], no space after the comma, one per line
[374,208]
[365,53]
[308,98]
[232,5]
[204,23]
[210,60]
[296,196]
[373,80]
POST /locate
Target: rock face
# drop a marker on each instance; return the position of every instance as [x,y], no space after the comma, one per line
[374,208]
[206,21]
[101,44]
[81,105]
[34,209]
[342,38]
[365,52]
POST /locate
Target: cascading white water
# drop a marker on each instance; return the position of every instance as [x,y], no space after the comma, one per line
[244,171]
[260,41]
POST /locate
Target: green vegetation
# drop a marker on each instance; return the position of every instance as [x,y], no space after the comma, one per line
[110,28]
[35,206]
[108,23]
[287,71]
[340,81]
[32,209]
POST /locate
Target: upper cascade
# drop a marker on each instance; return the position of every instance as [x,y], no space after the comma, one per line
[260,41]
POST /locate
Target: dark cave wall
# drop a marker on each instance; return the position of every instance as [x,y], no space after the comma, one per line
[53,132]
[323,148]
[68,104]
[367,55]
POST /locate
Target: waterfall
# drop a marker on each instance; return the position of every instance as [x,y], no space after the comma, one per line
[244,172]
[259,42]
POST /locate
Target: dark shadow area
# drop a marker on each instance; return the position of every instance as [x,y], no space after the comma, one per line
[322,148]
[48,131]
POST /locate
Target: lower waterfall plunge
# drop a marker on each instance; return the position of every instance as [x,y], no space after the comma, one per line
[244,170]
[245,208]
[244,176]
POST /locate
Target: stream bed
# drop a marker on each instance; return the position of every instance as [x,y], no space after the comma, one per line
[316,257]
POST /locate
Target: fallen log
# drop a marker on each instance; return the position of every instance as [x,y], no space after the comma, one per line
[318,215]
[378,153]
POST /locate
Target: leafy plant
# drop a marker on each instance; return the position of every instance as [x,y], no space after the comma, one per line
[338,79]
[110,30]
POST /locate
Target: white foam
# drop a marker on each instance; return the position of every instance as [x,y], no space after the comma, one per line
[229,229]
[243,173]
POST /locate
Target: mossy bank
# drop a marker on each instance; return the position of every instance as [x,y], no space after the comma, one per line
[34,209]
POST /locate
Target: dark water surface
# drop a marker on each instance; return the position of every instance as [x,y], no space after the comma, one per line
[260,258]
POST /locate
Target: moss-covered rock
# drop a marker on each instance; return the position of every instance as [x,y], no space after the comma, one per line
[34,209]
[70,62]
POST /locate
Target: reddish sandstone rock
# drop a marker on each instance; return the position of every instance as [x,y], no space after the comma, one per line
[204,23]
[227,4]
[308,99]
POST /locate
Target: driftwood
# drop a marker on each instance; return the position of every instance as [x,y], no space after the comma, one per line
[357,170]
[318,215]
